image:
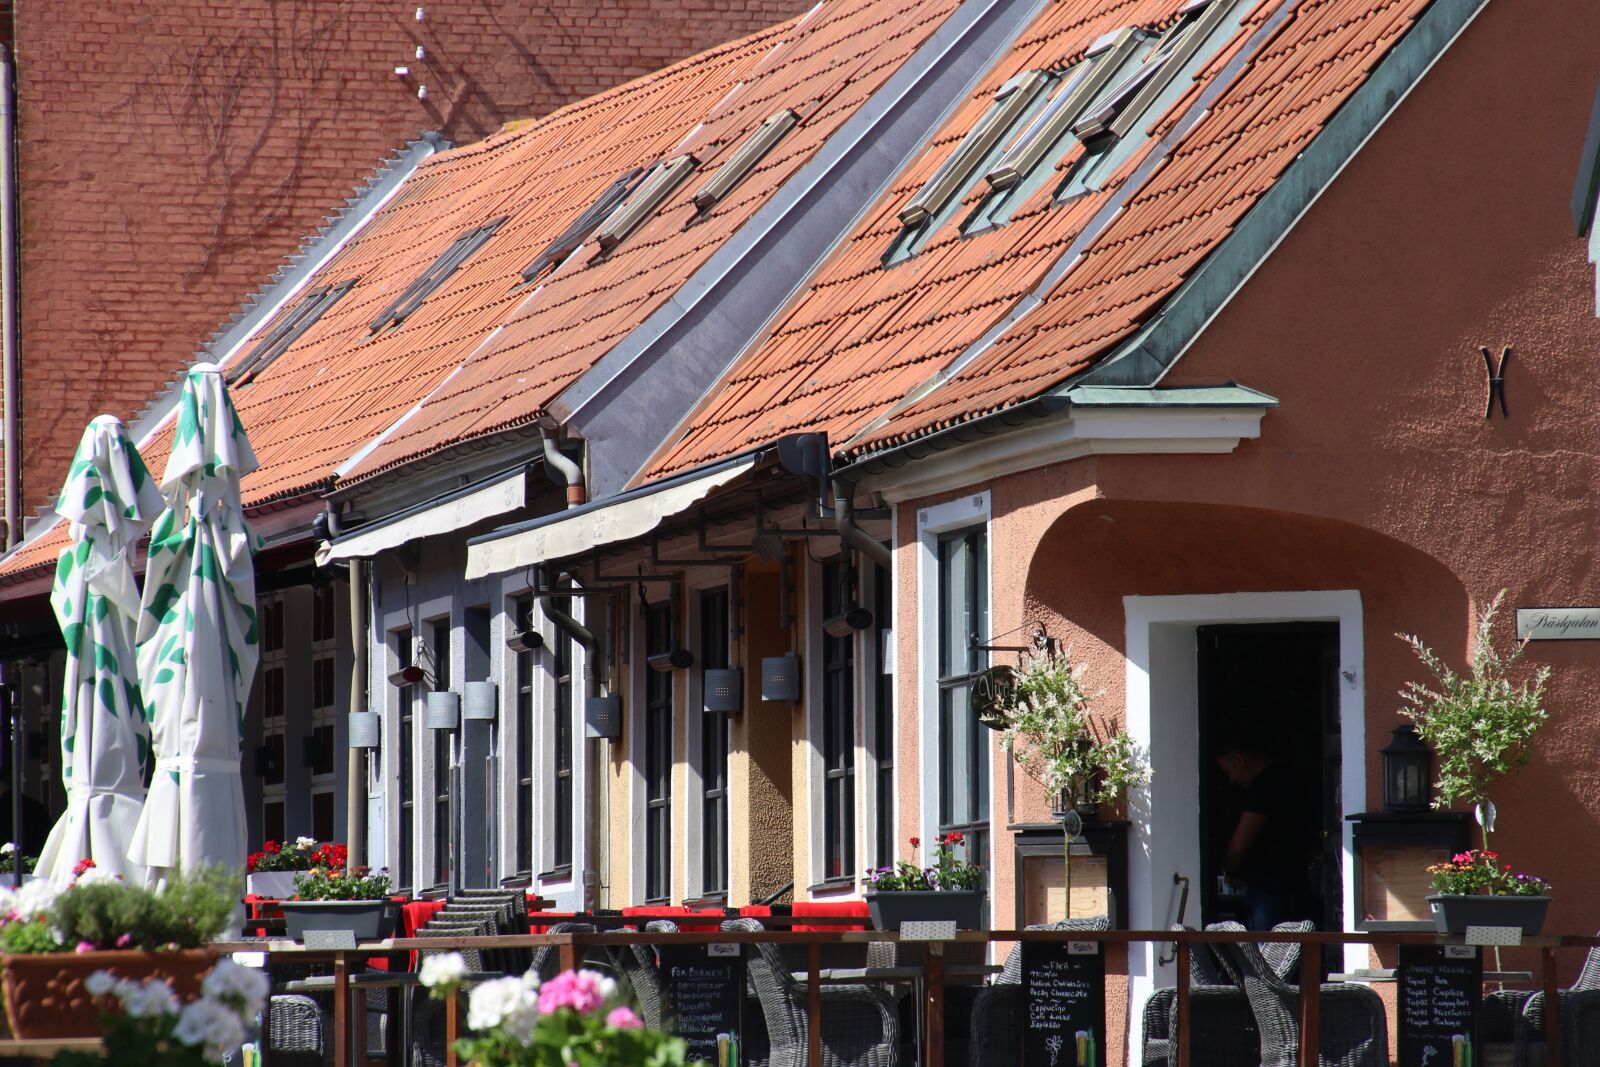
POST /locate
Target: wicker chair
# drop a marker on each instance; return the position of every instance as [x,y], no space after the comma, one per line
[860,1024]
[1354,1030]
[1580,1017]
[547,958]
[996,1036]
[297,1032]
[638,966]
[1222,1027]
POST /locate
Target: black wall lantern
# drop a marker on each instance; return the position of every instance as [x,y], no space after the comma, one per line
[526,639]
[1406,766]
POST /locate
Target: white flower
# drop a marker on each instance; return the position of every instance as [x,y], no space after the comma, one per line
[96,875]
[34,898]
[8,848]
[505,1003]
[212,1024]
[530,978]
[305,842]
[99,983]
[243,987]
[444,968]
[153,997]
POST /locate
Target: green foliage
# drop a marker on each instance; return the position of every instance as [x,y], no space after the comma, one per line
[1056,737]
[29,936]
[131,1042]
[1480,723]
[10,855]
[190,910]
[325,883]
[947,870]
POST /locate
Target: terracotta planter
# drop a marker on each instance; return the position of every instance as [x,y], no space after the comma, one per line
[44,993]
[1453,914]
[966,908]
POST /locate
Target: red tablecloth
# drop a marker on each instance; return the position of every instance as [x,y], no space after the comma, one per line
[852,908]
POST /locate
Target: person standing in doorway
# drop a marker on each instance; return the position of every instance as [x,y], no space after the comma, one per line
[1268,848]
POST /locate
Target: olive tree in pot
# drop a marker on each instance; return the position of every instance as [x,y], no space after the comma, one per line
[1481,725]
[1052,731]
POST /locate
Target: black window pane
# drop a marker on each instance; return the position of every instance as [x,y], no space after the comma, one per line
[964,749]
[562,754]
[838,727]
[658,758]
[406,706]
[523,617]
[714,625]
[322,827]
[441,759]
[883,712]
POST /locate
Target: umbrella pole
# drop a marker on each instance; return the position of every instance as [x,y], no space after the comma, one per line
[13,717]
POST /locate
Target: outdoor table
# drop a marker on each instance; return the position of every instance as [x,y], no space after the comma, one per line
[44,1050]
[1386,974]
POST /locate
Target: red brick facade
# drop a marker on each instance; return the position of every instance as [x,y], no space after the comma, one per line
[173,154]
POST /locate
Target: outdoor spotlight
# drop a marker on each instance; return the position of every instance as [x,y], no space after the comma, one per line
[410,674]
[676,660]
[847,622]
[528,640]
[769,546]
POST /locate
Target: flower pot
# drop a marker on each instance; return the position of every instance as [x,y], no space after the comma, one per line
[273,885]
[44,993]
[369,920]
[967,908]
[1453,914]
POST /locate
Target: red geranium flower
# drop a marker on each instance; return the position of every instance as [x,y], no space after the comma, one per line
[271,846]
[916,842]
[81,866]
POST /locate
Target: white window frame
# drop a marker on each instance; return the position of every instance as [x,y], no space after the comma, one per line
[964,512]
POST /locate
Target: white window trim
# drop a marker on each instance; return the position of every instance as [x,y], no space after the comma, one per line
[695,583]
[1160,639]
[963,512]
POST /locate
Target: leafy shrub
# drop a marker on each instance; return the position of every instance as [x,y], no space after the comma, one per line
[326,883]
[190,910]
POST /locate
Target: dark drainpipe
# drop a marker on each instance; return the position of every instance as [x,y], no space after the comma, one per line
[844,520]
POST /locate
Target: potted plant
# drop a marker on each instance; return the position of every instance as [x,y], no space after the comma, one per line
[54,938]
[1481,725]
[1051,730]
[332,898]
[950,890]
[271,872]
[147,1022]
[574,1018]
[14,866]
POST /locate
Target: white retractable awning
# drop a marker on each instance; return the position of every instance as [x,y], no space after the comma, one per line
[454,513]
[630,515]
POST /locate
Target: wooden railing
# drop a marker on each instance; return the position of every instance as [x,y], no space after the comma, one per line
[572,947]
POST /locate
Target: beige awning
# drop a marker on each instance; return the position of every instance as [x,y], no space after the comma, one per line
[623,519]
[456,512]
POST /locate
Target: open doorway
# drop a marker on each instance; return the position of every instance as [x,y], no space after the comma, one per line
[1272,689]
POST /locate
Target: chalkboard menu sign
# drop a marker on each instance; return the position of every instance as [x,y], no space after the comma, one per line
[1064,1003]
[704,986]
[1440,989]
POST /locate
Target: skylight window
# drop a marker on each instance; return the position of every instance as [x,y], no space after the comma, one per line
[287,332]
[744,160]
[935,202]
[662,179]
[578,232]
[460,250]
[1115,127]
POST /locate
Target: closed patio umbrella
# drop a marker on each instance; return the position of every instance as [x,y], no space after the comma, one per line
[110,500]
[197,639]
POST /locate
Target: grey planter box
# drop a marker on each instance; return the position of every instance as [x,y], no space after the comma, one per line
[1453,914]
[368,920]
[967,908]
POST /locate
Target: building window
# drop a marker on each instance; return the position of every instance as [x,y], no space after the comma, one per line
[963,747]
[441,758]
[274,705]
[714,750]
[883,715]
[838,727]
[406,706]
[658,758]
[324,710]
[561,755]
[523,612]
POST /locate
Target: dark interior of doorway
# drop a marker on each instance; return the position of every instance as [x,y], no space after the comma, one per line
[1274,683]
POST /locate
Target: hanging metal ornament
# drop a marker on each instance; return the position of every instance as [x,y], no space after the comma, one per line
[994,694]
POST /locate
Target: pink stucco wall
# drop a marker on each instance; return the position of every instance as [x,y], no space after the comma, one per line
[1379,472]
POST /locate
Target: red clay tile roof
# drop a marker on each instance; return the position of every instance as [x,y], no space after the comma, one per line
[484,353]
[863,337]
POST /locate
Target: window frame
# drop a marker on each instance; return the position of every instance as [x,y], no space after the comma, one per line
[403,641]
[440,639]
[840,660]
[658,706]
[715,629]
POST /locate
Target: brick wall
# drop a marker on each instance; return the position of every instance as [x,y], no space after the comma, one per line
[172,154]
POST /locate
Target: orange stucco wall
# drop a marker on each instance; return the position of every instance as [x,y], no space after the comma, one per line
[1449,230]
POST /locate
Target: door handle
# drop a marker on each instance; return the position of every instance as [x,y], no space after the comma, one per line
[1182,881]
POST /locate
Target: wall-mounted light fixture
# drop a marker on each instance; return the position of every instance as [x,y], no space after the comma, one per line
[408,675]
[1406,760]
[525,640]
[678,659]
[365,729]
[847,622]
[480,701]
[443,711]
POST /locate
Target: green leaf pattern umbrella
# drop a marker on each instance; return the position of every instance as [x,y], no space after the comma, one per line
[110,500]
[198,640]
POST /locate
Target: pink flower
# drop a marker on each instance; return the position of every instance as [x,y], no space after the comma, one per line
[582,991]
[85,946]
[125,940]
[623,1018]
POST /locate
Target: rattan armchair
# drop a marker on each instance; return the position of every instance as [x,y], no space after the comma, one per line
[997,1010]
[1222,1029]
[1580,1017]
[1354,1031]
[860,1024]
